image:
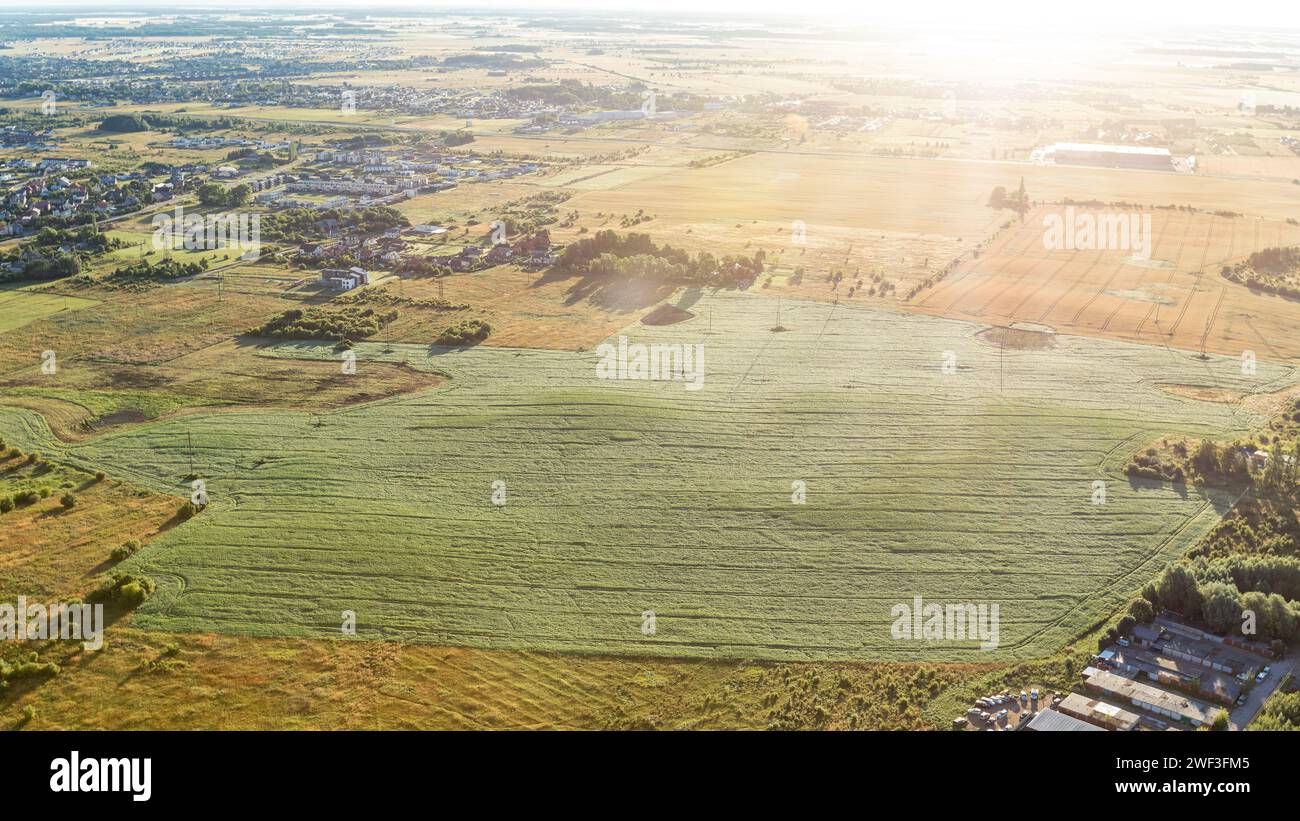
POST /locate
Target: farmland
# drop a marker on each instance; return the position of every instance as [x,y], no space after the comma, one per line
[901,392]
[1176,297]
[632,496]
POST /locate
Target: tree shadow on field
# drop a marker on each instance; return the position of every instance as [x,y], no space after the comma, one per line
[622,295]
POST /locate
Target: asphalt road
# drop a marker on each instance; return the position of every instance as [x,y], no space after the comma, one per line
[1239,717]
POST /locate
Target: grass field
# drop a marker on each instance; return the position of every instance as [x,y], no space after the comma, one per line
[972,486]
[19,306]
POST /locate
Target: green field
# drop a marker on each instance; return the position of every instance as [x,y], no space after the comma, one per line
[623,496]
[19,306]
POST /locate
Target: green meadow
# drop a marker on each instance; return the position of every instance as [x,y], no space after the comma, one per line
[968,484]
[20,306]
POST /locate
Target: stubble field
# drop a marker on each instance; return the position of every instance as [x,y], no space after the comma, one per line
[1175,298]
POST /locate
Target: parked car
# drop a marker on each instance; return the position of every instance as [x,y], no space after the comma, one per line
[1024,699]
[959,723]
[1262,675]
[1241,699]
[1033,694]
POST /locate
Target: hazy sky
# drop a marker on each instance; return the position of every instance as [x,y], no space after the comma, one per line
[1092,14]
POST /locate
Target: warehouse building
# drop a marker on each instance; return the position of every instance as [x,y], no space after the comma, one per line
[1099,713]
[1112,156]
[1152,699]
[1050,721]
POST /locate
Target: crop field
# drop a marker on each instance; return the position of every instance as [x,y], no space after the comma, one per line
[1176,297]
[973,485]
[20,306]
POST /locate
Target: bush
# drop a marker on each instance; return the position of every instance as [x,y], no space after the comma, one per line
[1220,723]
[131,594]
[324,323]
[25,497]
[187,511]
[68,501]
[125,550]
[99,476]
[6,505]
[123,589]
[466,332]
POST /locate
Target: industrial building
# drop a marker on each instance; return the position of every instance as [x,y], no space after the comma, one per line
[1052,721]
[1112,156]
[1099,713]
[1152,699]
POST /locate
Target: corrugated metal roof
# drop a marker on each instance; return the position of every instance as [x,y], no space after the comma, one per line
[1112,149]
[1052,721]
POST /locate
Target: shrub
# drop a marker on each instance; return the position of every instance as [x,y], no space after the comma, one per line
[324,323]
[465,332]
[131,594]
[99,476]
[6,505]
[125,550]
[187,510]
[25,497]
[68,501]
[33,457]
[123,589]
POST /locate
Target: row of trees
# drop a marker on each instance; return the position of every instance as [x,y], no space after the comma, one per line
[595,255]
[216,195]
[336,324]
[1220,592]
[298,225]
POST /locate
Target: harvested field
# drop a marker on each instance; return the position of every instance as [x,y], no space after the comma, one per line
[1175,298]
[628,496]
